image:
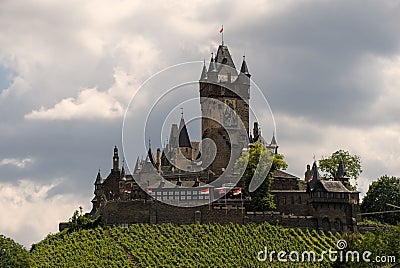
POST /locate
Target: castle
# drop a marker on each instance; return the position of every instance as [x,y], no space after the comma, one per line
[174,186]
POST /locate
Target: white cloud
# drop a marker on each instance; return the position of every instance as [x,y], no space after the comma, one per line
[302,139]
[91,103]
[27,214]
[19,163]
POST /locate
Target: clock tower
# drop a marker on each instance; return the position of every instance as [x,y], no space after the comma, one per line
[224,100]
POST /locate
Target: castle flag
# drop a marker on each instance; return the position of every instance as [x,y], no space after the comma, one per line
[204,191]
[237,191]
[222,29]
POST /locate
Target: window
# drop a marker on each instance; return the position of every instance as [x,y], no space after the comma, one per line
[284,200]
[183,197]
[299,199]
[292,199]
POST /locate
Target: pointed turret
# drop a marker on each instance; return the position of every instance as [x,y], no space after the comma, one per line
[212,73]
[137,166]
[244,69]
[315,173]
[150,156]
[196,183]
[308,174]
[274,144]
[340,172]
[99,179]
[184,140]
[203,76]
[123,175]
[341,175]
[174,137]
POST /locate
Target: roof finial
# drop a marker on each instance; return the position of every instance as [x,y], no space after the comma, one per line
[182,111]
[149,143]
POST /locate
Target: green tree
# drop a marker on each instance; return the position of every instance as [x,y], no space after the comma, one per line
[12,254]
[386,190]
[78,222]
[352,165]
[259,159]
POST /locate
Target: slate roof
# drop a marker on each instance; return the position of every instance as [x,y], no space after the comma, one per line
[224,57]
[334,186]
[279,174]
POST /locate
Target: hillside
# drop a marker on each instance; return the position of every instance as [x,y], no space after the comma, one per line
[175,246]
[196,246]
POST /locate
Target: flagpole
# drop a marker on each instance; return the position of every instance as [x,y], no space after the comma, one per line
[222,35]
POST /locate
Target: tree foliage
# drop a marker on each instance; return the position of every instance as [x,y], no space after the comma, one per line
[12,254]
[386,190]
[258,156]
[80,222]
[352,165]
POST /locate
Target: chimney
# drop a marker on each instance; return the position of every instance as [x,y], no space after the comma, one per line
[158,163]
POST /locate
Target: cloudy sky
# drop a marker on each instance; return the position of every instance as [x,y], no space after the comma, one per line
[330,71]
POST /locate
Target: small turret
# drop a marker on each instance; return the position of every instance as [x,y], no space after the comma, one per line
[340,172]
[212,73]
[341,175]
[315,173]
[116,159]
[99,179]
[244,69]
[98,182]
[255,131]
[123,175]
[308,174]
[184,140]
[196,183]
[137,166]
[203,76]
[274,144]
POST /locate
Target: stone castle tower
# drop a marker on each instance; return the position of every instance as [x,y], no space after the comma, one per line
[224,104]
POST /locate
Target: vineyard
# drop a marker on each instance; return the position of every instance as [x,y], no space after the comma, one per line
[208,245]
[178,246]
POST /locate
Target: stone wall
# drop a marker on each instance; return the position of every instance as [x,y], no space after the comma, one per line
[153,212]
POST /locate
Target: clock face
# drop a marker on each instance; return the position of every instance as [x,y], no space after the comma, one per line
[230,113]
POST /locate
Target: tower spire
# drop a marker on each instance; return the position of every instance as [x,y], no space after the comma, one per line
[116,159]
[204,72]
